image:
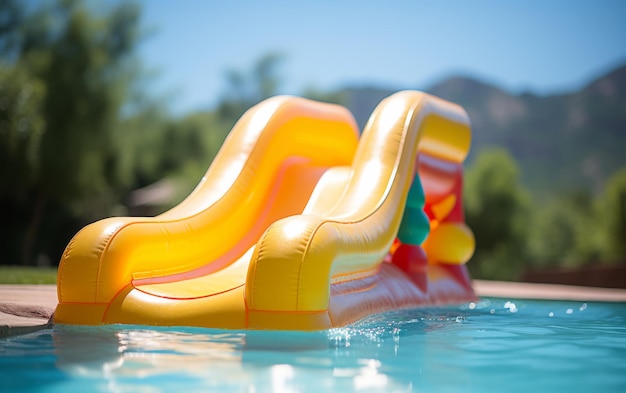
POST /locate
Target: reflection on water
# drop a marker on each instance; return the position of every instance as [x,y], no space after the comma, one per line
[488,345]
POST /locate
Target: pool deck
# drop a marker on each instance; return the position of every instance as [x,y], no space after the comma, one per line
[28,308]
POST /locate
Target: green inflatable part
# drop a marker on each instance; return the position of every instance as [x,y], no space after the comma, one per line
[416,198]
[414,227]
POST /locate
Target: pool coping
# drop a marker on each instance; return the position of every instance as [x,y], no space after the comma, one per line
[534,291]
[29,308]
[26,308]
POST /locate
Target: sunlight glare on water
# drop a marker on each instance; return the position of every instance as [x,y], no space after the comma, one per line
[491,345]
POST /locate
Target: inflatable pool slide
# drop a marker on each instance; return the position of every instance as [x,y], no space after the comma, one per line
[299,223]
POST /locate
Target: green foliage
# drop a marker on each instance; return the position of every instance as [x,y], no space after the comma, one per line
[65,78]
[246,89]
[565,232]
[139,140]
[613,213]
[496,209]
[85,62]
[514,234]
[190,144]
[21,129]
[27,275]
[337,97]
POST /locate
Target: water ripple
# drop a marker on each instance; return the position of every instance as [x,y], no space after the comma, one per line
[490,345]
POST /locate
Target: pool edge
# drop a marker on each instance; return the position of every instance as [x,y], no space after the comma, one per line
[28,308]
[523,290]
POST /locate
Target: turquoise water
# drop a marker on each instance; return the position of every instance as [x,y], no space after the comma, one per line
[495,345]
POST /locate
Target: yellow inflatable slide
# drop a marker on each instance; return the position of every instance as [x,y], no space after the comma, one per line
[298,223]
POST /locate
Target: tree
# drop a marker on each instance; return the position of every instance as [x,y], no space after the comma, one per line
[613,210]
[496,209]
[247,89]
[21,129]
[339,97]
[190,144]
[565,232]
[78,66]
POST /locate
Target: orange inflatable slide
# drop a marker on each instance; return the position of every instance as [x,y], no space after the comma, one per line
[299,223]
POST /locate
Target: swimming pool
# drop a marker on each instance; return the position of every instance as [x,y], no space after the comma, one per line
[493,345]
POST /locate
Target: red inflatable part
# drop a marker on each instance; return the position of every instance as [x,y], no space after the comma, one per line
[413,261]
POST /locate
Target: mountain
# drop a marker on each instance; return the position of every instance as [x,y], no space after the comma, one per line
[562,142]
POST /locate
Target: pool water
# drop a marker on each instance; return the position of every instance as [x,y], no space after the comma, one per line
[495,345]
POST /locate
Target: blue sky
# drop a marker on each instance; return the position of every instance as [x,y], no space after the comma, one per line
[542,46]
